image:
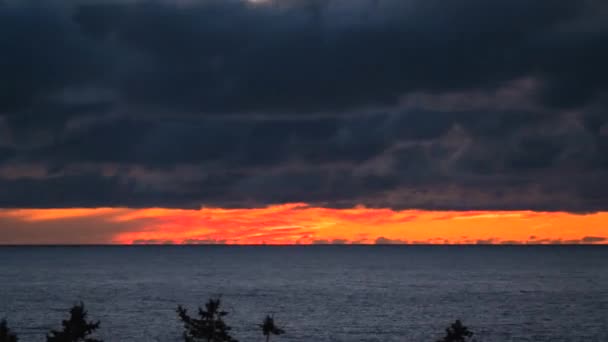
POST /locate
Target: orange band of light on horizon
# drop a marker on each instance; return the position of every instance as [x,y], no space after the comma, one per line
[298,223]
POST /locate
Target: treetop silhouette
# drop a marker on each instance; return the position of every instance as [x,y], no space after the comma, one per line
[75,329]
[5,333]
[269,328]
[209,327]
[457,332]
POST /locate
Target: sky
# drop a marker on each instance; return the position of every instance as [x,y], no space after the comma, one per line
[303,121]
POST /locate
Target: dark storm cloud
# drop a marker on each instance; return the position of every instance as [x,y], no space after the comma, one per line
[43,52]
[226,56]
[461,105]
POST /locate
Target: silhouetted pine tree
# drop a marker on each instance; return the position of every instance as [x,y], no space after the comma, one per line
[269,328]
[457,332]
[210,327]
[5,333]
[76,329]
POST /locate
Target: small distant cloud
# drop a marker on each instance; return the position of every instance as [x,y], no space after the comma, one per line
[330,242]
[584,240]
[593,239]
[537,241]
[204,242]
[510,242]
[489,241]
[565,242]
[152,242]
[386,241]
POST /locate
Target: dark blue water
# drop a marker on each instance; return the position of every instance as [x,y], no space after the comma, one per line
[318,293]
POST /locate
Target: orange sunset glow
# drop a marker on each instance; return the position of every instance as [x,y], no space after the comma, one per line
[298,223]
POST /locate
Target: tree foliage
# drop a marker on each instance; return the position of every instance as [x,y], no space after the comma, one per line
[75,329]
[269,328]
[209,327]
[457,332]
[5,333]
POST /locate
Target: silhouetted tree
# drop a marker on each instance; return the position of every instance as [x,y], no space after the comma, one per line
[457,332]
[269,328]
[76,329]
[210,327]
[5,333]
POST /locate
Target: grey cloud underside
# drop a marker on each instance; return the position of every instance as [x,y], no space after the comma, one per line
[403,104]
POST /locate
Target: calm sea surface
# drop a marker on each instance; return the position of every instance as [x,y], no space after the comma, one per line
[318,293]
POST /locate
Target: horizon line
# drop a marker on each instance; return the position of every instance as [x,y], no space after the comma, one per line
[305,245]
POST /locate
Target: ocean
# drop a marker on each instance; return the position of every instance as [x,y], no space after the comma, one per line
[316,293]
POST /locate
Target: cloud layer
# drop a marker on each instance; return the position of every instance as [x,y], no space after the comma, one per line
[463,105]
